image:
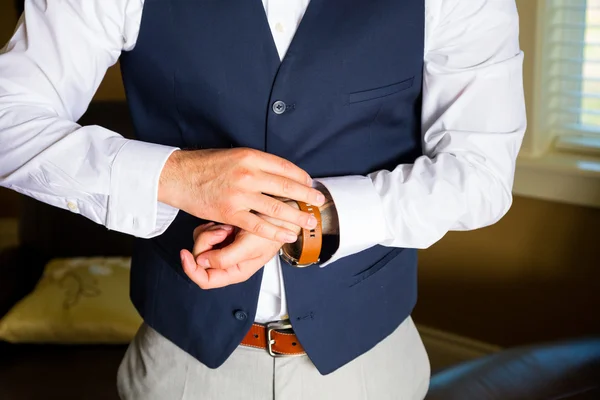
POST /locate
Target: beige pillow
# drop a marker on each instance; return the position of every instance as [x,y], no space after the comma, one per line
[77,300]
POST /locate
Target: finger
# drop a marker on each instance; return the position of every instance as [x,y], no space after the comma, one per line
[213,226]
[280,166]
[281,211]
[191,269]
[207,239]
[201,276]
[201,228]
[277,185]
[216,278]
[229,256]
[210,278]
[260,227]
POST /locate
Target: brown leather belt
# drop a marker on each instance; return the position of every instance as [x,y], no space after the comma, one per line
[275,337]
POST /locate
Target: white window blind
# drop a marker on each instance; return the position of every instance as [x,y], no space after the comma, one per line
[571,71]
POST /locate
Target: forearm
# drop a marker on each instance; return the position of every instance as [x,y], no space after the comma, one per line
[91,171]
[447,193]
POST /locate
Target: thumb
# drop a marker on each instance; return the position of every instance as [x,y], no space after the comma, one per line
[192,270]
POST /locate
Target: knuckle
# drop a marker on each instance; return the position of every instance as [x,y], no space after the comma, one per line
[286,186]
[243,175]
[285,165]
[258,228]
[245,154]
[276,208]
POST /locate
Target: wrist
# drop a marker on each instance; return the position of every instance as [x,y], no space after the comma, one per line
[169,177]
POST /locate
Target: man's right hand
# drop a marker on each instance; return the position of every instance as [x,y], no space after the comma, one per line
[229,185]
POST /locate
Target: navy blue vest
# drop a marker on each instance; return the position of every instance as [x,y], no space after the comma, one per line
[205,74]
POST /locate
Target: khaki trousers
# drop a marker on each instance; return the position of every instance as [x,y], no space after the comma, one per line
[155,369]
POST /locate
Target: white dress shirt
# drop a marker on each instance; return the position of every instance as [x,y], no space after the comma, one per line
[473,124]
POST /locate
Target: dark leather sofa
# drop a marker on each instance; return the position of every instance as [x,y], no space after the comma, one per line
[567,370]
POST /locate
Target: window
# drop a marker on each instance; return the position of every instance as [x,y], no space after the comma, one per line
[560,157]
[571,75]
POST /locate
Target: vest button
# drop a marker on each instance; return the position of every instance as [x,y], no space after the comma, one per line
[279,107]
[240,315]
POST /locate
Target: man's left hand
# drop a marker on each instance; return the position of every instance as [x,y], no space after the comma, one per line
[223,257]
[220,259]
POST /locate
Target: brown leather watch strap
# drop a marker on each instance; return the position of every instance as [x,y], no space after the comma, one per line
[282,343]
[312,239]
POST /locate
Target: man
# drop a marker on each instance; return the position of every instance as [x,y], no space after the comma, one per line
[393,121]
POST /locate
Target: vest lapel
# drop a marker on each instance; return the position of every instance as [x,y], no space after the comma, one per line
[307,32]
[257,12]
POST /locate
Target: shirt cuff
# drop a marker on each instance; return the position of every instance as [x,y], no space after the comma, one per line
[133,205]
[360,214]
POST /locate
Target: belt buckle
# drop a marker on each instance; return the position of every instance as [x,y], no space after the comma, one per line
[274,326]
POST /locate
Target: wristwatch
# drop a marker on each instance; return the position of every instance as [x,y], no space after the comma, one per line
[307,249]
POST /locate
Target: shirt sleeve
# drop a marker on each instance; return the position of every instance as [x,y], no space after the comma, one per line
[49,72]
[473,125]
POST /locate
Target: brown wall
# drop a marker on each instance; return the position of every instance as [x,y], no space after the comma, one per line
[7,19]
[533,276]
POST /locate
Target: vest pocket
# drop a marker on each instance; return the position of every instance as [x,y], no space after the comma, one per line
[378,266]
[377,93]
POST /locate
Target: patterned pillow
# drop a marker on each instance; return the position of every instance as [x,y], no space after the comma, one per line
[77,300]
